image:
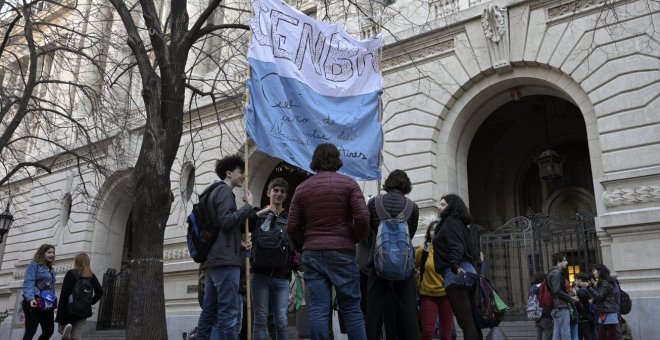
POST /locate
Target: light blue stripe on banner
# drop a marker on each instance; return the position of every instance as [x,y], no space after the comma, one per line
[287,119]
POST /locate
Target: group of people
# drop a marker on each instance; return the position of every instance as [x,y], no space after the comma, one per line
[327,218]
[73,304]
[586,309]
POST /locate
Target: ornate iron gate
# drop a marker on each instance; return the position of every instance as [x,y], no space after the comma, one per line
[113,306]
[524,246]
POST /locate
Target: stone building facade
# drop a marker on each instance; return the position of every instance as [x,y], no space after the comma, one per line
[474,92]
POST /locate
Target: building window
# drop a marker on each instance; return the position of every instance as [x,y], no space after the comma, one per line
[187,182]
[66,209]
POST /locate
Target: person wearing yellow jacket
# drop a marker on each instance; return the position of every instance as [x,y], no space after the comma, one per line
[432,297]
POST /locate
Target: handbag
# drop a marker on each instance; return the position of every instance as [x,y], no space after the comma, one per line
[46,300]
[500,305]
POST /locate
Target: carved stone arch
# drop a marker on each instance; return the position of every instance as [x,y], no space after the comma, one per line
[108,216]
[567,202]
[460,121]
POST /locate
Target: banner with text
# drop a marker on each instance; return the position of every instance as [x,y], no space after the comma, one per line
[311,83]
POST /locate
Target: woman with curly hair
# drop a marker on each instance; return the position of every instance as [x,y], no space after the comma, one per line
[454,257]
[38,290]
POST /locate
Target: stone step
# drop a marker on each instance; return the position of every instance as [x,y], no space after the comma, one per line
[514,330]
[109,335]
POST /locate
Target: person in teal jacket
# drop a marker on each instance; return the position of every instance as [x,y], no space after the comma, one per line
[39,278]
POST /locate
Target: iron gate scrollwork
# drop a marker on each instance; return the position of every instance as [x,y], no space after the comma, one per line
[113,306]
[524,246]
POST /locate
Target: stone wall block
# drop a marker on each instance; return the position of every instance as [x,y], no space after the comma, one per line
[550,43]
[629,100]
[647,114]
[613,88]
[631,158]
[535,34]
[518,22]
[466,56]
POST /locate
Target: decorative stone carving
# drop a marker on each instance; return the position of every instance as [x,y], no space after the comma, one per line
[442,8]
[413,53]
[570,7]
[176,254]
[628,196]
[495,22]
[59,269]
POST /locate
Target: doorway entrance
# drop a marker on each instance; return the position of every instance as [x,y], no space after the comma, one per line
[526,217]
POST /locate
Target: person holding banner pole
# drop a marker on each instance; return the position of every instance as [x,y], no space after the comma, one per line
[328,216]
[220,309]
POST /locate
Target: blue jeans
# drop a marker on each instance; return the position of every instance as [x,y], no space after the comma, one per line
[219,317]
[562,324]
[324,269]
[468,280]
[574,332]
[269,293]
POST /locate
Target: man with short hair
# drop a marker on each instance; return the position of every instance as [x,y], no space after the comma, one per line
[271,268]
[560,313]
[328,216]
[220,308]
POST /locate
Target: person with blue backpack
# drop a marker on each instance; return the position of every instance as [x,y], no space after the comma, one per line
[39,300]
[454,257]
[220,316]
[393,223]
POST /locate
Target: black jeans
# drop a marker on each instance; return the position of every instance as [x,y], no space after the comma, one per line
[406,307]
[461,299]
[34,318]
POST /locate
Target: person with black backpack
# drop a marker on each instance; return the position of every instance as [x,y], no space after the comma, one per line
[272,251]
[393,204]
[80,291]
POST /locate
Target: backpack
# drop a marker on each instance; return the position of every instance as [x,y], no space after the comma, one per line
[625,304]
[270,245]
[534,309]
[80,300]
[201,231]
[488,312]
[393,252]
[546,299]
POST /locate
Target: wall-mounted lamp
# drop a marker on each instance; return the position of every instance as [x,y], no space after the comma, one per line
[516,93]
[6,219]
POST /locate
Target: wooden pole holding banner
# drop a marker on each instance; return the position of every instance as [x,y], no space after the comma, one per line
[246,186]
[380,110]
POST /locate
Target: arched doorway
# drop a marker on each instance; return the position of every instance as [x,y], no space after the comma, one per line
[503,176]
[291,174]
[527,218]
[112,209]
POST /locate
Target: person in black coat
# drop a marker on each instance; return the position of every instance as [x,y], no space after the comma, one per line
[70,326]
[394,201]
[454,256]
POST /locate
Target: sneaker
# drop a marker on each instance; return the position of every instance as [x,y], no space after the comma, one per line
[67,332]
